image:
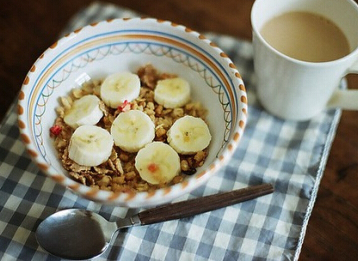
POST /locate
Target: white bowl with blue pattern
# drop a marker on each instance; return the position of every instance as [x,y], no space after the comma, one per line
[100,49]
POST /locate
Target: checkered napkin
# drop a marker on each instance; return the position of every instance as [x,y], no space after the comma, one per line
[290,155]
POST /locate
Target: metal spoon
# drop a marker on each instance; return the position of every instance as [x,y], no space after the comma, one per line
[81,234]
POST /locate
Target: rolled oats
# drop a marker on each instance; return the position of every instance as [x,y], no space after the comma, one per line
[118,173]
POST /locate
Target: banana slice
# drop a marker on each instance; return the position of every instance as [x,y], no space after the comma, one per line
[172,93]
[157,163]
[90,145]
[84,111]
[119,87]
[189,135]
[132,130]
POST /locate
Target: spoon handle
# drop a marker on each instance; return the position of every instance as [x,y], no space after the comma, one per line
[195,206]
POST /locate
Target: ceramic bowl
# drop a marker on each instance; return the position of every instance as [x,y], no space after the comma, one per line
[100,49]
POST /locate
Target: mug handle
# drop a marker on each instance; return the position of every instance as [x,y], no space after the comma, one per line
[345,99]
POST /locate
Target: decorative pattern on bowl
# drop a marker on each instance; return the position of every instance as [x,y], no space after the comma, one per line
[126,44]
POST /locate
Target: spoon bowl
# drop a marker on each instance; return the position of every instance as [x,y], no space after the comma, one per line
[66,234]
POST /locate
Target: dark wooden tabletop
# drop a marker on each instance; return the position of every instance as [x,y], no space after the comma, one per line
[27,28]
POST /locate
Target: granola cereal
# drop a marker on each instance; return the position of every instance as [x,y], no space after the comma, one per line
[118,173]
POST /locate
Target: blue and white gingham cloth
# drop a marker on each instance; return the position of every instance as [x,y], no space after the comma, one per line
[290,155]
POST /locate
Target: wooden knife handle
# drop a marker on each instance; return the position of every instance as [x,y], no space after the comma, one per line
[195,206]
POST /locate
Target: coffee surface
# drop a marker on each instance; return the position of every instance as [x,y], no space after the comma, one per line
[306,36]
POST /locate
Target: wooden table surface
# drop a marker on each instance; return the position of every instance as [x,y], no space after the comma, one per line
[27,28]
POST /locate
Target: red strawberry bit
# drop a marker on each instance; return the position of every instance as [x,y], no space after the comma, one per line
[55,130]
[152,167]
[125,106]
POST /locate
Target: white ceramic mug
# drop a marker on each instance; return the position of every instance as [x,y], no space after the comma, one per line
[299,90]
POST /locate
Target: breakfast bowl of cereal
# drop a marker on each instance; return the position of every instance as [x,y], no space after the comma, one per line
[132,112]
